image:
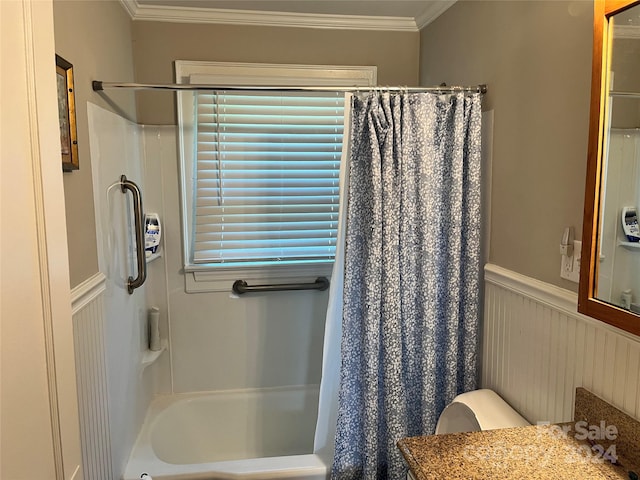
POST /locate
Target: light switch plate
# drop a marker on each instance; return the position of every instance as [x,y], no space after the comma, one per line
[570,266]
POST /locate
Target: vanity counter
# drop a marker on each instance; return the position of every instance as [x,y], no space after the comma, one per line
[533,452]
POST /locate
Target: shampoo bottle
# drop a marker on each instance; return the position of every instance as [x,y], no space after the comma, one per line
[154,329]
[626,298]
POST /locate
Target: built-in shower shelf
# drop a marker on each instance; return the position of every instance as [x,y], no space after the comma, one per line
[630,245]
[151,356]
[154,256]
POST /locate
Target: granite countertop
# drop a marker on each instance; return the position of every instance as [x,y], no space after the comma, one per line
[540,452]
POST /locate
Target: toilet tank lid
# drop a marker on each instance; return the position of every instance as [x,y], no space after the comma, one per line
[490,410]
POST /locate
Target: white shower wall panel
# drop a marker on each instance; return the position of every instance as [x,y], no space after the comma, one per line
[158,145]
[219,341]
[619,268]
[115,145]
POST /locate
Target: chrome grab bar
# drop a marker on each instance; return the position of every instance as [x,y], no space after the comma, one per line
[141,262]
[240,286]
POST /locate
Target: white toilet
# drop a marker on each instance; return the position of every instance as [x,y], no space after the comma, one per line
[477,410]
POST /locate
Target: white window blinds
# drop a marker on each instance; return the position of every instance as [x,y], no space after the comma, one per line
[267,177]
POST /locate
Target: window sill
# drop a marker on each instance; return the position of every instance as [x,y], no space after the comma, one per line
[220,279]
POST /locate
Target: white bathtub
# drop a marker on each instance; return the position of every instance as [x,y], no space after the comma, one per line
[250,434]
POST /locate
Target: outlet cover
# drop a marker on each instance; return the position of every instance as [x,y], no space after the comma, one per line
[570,266]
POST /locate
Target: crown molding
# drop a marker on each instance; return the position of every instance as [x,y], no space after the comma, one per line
[433,11]
[130,7]
[283,19]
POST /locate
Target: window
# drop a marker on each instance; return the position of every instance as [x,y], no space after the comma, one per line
[260,169]
[267,177]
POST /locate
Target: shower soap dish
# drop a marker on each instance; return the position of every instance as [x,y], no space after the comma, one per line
[150,356]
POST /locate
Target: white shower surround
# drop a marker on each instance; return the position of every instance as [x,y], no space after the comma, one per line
[219,341]
[619,268]
[269,341]
[116,149]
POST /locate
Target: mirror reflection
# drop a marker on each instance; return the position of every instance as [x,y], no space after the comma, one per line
[619,268]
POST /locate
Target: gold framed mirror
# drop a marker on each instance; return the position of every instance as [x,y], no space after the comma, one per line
[610,271]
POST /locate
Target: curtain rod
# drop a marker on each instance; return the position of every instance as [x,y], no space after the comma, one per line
[100,86]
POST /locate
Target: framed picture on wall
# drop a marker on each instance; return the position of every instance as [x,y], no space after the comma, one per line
[67,115]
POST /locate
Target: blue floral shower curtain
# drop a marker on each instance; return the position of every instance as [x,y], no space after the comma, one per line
[411,282]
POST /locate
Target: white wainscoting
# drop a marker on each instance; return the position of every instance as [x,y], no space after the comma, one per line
[91,371]
[537,349]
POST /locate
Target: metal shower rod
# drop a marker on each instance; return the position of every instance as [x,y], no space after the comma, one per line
[100,86]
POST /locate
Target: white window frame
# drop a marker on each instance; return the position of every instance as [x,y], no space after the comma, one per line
[205,278]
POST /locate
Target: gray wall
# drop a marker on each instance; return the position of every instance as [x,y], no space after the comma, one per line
[95,37]
[535,57]
[157,44]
